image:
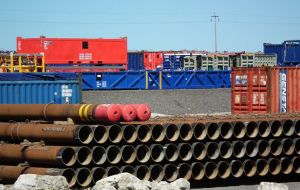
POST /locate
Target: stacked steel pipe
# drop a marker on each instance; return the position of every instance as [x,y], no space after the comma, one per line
[167,151]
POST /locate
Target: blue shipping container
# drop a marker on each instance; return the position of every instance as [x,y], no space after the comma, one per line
[277,49]
[40,88]
[173,62]
[291,52]
[135,61]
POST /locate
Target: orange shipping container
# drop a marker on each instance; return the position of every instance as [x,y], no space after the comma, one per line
[265,90]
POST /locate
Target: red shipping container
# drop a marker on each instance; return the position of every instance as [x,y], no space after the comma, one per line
[265,90]
[153,60]
[76,50]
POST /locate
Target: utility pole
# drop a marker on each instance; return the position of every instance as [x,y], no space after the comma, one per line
[215,19]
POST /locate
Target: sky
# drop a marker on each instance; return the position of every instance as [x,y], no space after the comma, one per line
[155,24]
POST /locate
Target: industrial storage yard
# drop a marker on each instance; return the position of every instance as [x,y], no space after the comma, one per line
[140,95]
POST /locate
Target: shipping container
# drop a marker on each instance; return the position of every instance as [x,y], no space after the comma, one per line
[153,60]
[291,52]
[173,61]
[275,49]
[98,51]
[40,88]
[265,90]
[135,61]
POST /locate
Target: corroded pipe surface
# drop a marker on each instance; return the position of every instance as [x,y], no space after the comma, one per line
[37,154]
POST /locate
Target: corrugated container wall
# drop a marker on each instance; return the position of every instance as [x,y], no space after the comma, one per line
[76,50]
[265,90]
[274,49]
[136,61]
[42,88]
[292,52]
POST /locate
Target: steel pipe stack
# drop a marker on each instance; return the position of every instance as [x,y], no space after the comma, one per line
[196,151]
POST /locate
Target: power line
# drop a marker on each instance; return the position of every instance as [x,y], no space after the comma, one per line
[216,19]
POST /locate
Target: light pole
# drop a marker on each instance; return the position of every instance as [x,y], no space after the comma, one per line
[215,19]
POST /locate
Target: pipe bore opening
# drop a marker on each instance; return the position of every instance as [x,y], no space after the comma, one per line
[225,149]
[224,169]
[84,156]
[113,154]
[185,171]
[171,172]
[85,134]
[197,171]
[113,170]
[249,168]
[115,133]
[297,127]
[276,128]
[239,149]
[129,133]
[157,173]
[186,132]
[158,133]
[172,132]
[213,150]
[185,151]
[251,148]
[84,178]
[288,146]
[200,131]
[286,165]
[127,169]
[143,153]
[211,170]
[297,146]
[263,148]
[262,167]
[199,151]
[264,129]
[157,153]
[252,129]
[296,165]
[239,130]
[171,152]
[213,131]
[144,133]
[276,147]
[98,173]
[70,176]
[128,154]
[99,155]
[236,168]
[100,134]
[288,127]
[226,130]
[68,156]
[142,172]
[274,166]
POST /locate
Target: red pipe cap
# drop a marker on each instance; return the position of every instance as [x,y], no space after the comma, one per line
[143,111]
[108,112]
[129,113]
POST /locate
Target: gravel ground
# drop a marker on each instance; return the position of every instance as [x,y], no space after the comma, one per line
[168,101]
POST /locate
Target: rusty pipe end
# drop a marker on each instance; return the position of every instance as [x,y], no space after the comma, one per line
[100,134]
[142,172]
[84,134]
[97,174]
[262,167]
[171,172]
[158,132]
[226,130]
[186,132]
[224,169]
[84,155]
[199,150]
[143,153]
[197,171]
[249,167]
[296,165]
[213,131]
[99,155]
[286,165]
[239,130]
[128,153]
[199,131]
[144,133]
[114,154]
[66,156]
[84,177]
[130,134]
[184,171]
[157,172]
[211,170]
[274,166]
[171,152]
